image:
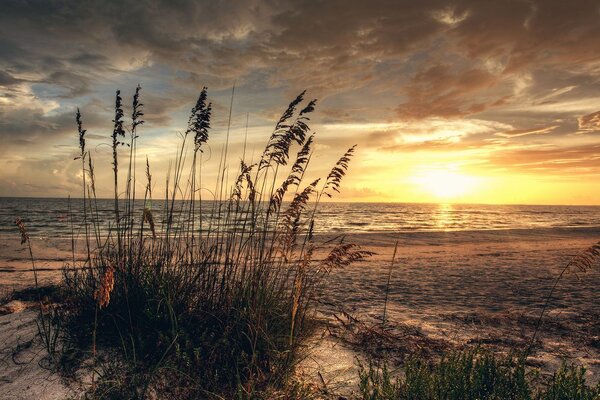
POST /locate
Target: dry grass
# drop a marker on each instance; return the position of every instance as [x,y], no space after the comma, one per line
[207,299]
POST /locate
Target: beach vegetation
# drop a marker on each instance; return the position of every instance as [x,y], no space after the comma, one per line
[472,375]
[200,299]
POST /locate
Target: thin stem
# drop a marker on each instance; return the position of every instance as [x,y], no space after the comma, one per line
[387,286]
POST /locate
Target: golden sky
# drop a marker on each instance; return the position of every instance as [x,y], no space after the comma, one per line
[448,101]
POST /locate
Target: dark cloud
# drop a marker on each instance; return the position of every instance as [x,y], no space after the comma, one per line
[32,129]
[439,91]
[531,32]
[31,124]
[329,46]
[7,79]
[75,84]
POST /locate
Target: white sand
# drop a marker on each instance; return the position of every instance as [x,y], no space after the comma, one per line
[23,370]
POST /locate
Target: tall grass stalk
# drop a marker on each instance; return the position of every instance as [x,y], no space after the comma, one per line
[582,263]
[48,328]
[387,286]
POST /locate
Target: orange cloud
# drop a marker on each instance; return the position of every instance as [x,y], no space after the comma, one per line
[525,132]
[590,122]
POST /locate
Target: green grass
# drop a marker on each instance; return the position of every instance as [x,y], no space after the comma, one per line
[472,375]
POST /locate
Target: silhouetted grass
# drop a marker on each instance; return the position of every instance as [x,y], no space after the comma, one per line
[201,306]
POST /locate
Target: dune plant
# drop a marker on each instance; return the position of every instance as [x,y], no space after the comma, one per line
[48,321]
[582,262]
[472,375]
[201,301]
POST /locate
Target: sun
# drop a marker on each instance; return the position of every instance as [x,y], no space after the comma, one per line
[445,184]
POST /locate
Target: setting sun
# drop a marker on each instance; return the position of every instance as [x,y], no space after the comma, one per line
[445,184]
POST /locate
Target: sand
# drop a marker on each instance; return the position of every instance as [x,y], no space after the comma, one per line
[461,289]
[24,372]
[456,289]
[50,254]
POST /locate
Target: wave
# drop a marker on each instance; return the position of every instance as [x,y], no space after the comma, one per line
[51,217]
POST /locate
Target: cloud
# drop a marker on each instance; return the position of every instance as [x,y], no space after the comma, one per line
[31,125]
[329,46]
[431,134]
[504,67]
[550,32]
[439,91]
[551,159]
[7,79]
[525,132]
[589,122]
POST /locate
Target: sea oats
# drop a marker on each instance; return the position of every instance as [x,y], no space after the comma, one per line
[22,230]
[228,291]
[107,283]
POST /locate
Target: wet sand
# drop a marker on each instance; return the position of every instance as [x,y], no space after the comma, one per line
[457,289]
[50,255]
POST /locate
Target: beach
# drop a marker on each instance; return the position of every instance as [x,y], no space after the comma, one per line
[451,290]
[461,289]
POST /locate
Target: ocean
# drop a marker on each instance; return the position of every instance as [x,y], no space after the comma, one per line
[52,218]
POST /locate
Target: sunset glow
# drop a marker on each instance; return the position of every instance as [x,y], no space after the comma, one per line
[518,106]
[445,185]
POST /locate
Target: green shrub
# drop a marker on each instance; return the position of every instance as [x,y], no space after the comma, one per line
[471,375]
[569,383]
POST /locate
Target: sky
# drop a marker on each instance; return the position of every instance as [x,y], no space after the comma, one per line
[447,101]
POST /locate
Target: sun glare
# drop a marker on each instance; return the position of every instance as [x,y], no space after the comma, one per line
[445,184]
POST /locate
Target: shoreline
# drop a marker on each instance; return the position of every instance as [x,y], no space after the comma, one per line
[554,231]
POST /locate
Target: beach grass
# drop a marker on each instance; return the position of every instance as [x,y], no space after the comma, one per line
[190,304]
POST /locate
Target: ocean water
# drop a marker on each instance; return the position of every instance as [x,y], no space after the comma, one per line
[52,217]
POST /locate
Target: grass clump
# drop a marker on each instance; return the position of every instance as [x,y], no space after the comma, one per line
[200,299]
[471,375]
[569,383]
